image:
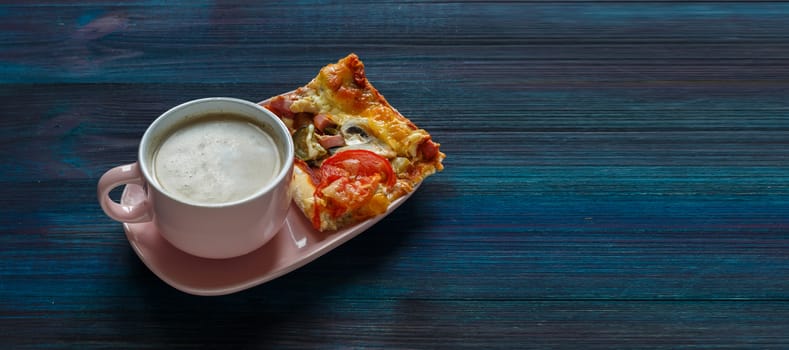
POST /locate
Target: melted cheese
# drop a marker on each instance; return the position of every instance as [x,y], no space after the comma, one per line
[342,91]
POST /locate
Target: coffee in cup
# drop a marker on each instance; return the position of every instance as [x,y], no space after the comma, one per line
[215,159]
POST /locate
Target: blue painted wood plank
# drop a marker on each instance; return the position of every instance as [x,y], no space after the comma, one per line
[617,173]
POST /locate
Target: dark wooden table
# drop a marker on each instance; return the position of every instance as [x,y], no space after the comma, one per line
[617,173]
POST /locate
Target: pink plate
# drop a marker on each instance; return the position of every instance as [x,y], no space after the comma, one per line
[295,245]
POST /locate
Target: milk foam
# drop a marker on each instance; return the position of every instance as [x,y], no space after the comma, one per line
[216,160]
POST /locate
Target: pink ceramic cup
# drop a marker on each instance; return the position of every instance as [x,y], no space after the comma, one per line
[217,231]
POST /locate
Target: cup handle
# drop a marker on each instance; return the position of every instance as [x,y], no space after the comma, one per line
[121,175]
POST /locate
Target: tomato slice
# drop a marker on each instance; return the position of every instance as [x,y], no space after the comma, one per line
[346,194]
[357,163]
[349,179]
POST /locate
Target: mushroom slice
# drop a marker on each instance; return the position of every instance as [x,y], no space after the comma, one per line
[357,136]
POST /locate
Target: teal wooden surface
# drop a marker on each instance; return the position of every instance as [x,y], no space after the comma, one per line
[617,173]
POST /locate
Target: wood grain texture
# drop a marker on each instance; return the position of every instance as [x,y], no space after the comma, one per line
[617,173]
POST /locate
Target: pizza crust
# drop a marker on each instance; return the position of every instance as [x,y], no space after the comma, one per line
[302,189]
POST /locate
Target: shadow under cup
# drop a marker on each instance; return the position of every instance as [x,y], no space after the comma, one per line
[221,229]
